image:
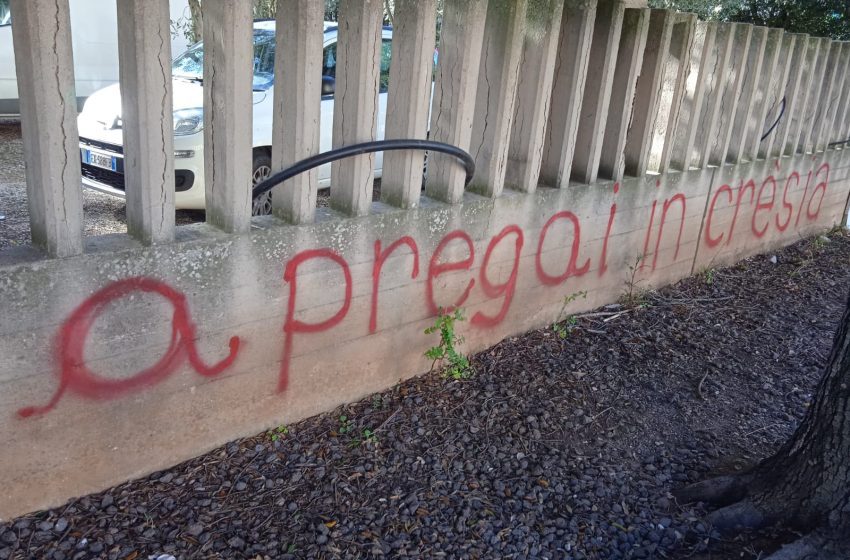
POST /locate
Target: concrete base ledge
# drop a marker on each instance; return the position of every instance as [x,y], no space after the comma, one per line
[129,359]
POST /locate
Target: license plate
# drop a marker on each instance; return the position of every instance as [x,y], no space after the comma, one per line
[98,159]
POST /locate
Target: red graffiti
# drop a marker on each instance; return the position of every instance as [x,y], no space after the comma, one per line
[436,268]
[714,241]
[572,265]
[763,206]
[293,325]
[785,204]
[603,260]
[376,273]
[819,187]
[76,377]
[667,204]
[506,290]
[498,277]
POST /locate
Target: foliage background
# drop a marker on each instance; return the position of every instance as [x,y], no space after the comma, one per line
[822,18]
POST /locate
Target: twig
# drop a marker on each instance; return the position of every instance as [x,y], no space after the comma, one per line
[762,428]
[699,387]
[615,316]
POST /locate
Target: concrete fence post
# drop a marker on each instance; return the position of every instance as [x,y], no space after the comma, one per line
[408,98]
[48,105]
[733,86]
[534,89]
[717,63]
[829,98]
[673,89]
[228,108]
[144,62]
[744,120]
[648,92]
[356,102]
[793,94]
[453,105]
[762,96]
[567,92]
[777,98]
[597,90]
[629,63]
[801,108]
[682,152]
[816,102]
[297,105]
[495,97]
[839,130]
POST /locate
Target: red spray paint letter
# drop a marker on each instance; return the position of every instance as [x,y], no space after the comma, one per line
[603,259]
[497,290]
[376,273]
[709,240]
[759,232]
[293,325]
[435,268]
[785,204]
[76,377]
[819,187]
[572,265]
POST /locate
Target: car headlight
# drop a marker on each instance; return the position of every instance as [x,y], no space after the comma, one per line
[188,121]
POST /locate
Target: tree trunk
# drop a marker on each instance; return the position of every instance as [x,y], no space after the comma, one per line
[806,484]
[197,20]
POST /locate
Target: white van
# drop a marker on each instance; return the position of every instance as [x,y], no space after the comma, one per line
[94,34]
[99,123]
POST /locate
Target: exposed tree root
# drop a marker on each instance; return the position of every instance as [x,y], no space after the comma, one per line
[719,491]
[814,546]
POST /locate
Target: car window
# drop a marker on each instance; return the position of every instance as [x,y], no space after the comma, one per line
[5,14]
[191,63]
[329,63]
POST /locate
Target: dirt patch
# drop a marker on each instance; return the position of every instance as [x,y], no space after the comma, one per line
[558,446]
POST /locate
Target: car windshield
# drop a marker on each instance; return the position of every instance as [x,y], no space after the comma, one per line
[190,65]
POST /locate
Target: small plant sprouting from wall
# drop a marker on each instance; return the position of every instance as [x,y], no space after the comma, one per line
[278,433]
[634,295]
[563,326]
[456,365]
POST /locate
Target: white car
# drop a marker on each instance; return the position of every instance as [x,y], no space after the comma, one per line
[100,121]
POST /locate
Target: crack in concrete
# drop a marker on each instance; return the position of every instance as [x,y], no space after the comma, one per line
[163,131]
[64,151]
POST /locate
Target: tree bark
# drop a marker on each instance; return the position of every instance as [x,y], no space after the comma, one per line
[806,484]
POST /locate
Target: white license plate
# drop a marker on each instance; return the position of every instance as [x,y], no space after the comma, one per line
[97,159]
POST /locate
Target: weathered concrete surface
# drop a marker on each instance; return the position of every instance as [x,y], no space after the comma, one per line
[408,99]
[228,96]
[682,155]
[356,102]
[453,105]
[534,87]
[629,63]
[130,358]
[45,71]
[597,90]
[567,92]
[297,111]
[144,64]
[495,97]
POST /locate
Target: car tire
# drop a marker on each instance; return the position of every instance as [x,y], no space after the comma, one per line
[260,171]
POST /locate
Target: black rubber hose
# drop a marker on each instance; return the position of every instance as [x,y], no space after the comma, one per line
[776,122]
[365,148]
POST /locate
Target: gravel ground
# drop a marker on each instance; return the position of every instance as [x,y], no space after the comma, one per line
[102,213]
[556,448]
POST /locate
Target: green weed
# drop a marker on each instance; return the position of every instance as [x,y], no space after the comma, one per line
[457,365]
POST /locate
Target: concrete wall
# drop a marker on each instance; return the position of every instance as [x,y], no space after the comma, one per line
[128,359]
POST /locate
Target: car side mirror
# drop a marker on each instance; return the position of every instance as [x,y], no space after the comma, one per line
[328,85]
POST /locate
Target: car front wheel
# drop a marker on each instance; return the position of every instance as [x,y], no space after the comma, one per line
[262,170]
